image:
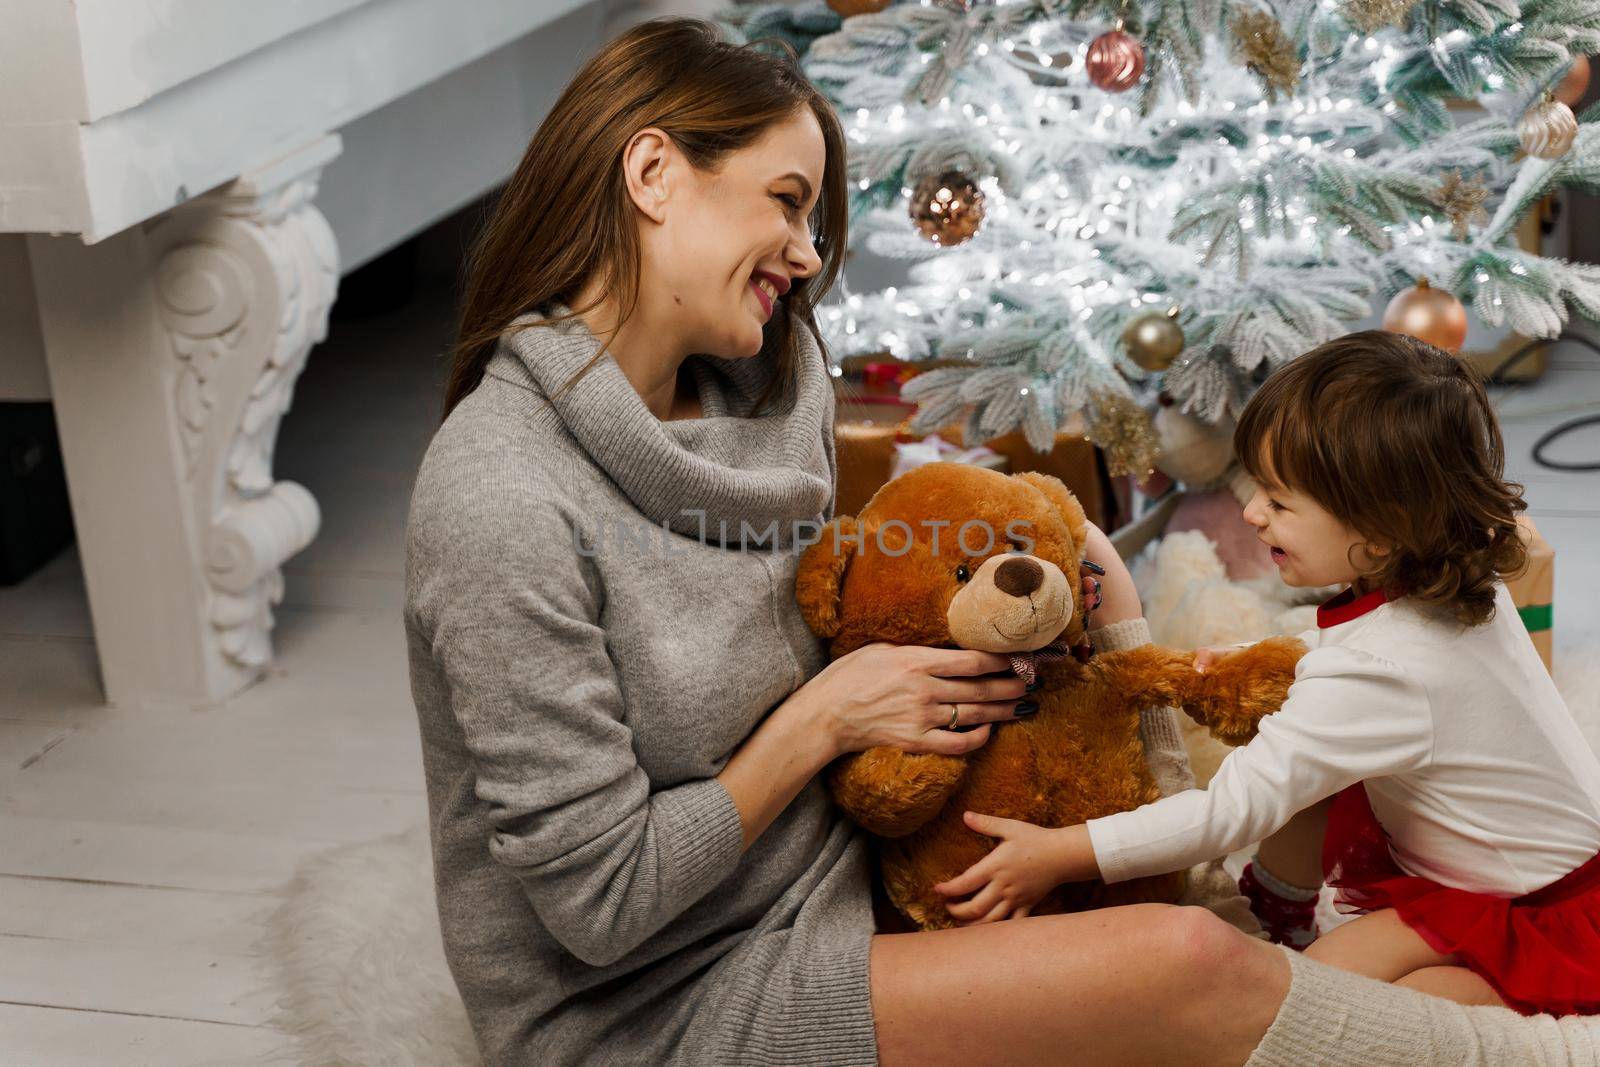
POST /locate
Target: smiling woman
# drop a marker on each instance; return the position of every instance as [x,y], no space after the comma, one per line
[730,197]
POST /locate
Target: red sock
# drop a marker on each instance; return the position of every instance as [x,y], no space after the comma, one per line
[1288,913]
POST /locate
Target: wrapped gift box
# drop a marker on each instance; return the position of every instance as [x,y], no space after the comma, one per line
[1534,590]
[866,430]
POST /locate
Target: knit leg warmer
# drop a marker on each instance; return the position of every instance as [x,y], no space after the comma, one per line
[1333,1018]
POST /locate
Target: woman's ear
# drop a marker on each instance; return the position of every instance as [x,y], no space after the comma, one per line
[644,168]
[820,575]
[1066,504]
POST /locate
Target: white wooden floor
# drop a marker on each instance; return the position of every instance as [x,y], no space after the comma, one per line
[139,849]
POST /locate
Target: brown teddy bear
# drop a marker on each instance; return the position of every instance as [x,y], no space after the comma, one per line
[955,555]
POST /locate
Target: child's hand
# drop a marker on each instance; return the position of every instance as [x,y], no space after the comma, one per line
[1205,658]
[1029,862]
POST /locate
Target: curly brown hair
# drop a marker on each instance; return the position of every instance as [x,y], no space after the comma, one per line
[1397,440]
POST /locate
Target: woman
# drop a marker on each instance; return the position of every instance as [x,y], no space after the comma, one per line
[622,713]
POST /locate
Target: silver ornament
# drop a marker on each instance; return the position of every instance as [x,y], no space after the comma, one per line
[1548,129]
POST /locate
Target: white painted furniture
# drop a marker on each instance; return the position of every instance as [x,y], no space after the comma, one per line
[192,177]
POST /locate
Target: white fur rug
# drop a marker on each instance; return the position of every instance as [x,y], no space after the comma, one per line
[356,941]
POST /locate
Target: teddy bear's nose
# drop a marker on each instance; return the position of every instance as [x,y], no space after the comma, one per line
[1018,576]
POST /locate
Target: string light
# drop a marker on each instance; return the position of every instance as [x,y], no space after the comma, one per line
[1083,189]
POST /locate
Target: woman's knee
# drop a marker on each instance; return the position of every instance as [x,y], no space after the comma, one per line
[1199,940]
[1191,942]
[1180,942]
[1224,983]
[1210,982]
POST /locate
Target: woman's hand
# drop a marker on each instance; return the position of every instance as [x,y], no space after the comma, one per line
[903,695]
[1119,599]
[1029,862]
[1205,658]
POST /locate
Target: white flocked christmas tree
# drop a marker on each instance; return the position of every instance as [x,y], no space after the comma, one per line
[1100,203]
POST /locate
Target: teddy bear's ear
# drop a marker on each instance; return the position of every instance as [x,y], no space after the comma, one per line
[1067,504]
[820,576]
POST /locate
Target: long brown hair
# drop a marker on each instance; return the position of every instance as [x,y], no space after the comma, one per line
[566,212]
[1397,440]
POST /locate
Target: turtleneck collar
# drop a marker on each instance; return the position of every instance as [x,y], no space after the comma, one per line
[698,476]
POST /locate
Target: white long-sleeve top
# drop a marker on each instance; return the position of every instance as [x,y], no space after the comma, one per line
[1472,761]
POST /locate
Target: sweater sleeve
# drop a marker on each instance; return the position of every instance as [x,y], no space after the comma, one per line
[1349,716]
[513,611]
[1164,751]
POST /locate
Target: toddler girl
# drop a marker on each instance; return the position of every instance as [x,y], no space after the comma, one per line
[1466,818]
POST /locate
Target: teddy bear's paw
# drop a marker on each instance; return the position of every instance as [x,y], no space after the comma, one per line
[930,916]
[892,793]
[1241,687]
[924,907]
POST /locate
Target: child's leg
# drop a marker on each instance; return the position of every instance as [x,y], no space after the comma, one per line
[1284,877]
[1294,853]
[1452,983]
[1380,945]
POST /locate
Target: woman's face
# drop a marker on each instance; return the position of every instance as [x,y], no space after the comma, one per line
[726,245]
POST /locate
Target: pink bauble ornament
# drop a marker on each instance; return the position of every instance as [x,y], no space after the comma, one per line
[1570,89]
[1428,314]
[1115,61]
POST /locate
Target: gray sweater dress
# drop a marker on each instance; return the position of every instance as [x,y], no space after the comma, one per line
[591,634]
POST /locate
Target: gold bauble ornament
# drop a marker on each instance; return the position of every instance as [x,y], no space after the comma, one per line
[851,8]
[1115,60]
[1570,89]
[947,208]
[1548,129]
[1428,314]
[1153,339]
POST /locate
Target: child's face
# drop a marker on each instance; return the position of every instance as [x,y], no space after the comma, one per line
[1310,546]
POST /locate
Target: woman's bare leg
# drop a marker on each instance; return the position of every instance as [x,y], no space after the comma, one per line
[1148,983]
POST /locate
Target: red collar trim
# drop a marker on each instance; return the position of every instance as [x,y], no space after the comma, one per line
[1347,606]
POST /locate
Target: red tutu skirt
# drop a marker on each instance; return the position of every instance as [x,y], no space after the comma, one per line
[1540,952]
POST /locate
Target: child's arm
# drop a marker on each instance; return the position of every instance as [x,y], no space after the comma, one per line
[1029,862]
[1349,716]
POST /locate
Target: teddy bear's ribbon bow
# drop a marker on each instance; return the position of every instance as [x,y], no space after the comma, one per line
[1026,664]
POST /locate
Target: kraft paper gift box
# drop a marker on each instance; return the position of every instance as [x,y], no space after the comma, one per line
[1534,590]
[866,431]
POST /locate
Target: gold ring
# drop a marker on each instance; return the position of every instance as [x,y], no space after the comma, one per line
[954,710]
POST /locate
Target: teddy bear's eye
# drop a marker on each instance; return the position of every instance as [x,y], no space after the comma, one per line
[962,574]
